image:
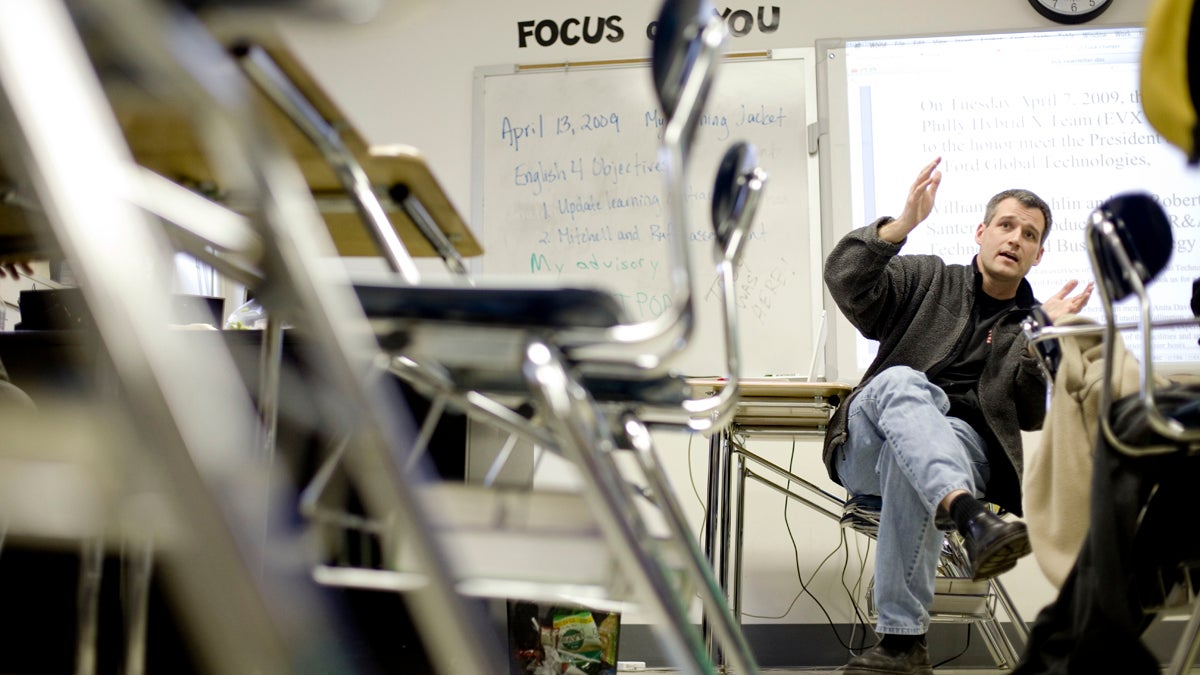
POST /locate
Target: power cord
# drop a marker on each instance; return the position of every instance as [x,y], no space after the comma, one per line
[843,545]
[803,587]
[805,584]
[696,490]
[860,620]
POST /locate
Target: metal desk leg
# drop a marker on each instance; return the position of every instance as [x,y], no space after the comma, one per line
[573,419]
[726,480]
[714,603]
[713,548]
[739,542]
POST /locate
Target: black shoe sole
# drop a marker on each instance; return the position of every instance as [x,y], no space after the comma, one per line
[1002,555]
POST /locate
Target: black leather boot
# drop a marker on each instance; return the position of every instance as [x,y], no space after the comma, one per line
[880,659]
[993,544]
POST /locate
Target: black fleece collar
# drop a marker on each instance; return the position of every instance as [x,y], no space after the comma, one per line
[1024,297]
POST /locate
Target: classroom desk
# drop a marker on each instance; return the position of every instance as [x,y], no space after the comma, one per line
[162,137]
[779,407]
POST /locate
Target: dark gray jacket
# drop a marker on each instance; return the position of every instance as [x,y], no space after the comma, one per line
[918,307]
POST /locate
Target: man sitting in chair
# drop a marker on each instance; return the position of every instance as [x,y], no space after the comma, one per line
[934,426]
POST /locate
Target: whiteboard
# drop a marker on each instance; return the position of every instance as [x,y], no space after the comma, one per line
[1057,112]
[568,188]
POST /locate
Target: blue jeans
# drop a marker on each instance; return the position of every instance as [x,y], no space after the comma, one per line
[902,447]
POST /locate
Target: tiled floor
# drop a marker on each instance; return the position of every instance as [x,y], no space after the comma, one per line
[827,671]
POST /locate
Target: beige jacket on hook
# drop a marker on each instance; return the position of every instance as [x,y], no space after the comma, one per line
[1058,477]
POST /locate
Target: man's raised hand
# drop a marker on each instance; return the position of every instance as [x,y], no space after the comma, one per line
[918,206]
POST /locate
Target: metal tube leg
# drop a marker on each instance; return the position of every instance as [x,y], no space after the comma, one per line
[725,460]
[1011,610]
[738,539]
[574,419]
[1187,647]
[1014,648]
[716,446]
[270,363]
[996,642]
[716,608]
[436,407]
[91,571]
[138,567]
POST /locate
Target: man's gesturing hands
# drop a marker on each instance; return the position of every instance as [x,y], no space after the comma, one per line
[918,206]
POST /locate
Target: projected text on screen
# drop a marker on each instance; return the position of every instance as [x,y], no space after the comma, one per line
[1055,112]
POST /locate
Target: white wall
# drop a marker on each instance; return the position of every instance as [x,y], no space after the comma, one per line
[407,78]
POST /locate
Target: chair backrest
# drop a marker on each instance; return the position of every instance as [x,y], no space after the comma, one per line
[1130,235]
[687,43]
[737,191]
[685,39]
[1129,243]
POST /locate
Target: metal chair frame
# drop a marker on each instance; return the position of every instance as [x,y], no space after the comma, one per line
[1122,272]
[568,427]
[953,564]
[175,391]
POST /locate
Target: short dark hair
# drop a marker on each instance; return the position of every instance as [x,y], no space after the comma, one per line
[1027,199]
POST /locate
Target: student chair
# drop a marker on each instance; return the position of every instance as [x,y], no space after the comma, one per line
[586,406]
[957,599]
[666,393]
[195,426]
[1134,566]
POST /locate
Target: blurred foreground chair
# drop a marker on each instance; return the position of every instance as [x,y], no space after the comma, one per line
[565,368]
[1136,563]
[239,575]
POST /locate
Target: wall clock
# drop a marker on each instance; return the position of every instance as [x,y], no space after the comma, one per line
[1070,11]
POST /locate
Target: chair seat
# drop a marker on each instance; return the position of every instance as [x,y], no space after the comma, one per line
[535,308]
[665,390]
[512,311]
[662,390]
[533,545]
[861,514]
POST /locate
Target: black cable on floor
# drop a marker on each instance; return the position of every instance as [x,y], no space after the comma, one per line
[842,544]
[967,646]
[860,619]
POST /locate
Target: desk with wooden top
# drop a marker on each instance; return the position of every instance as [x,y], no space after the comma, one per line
[777,407]
[162,138]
